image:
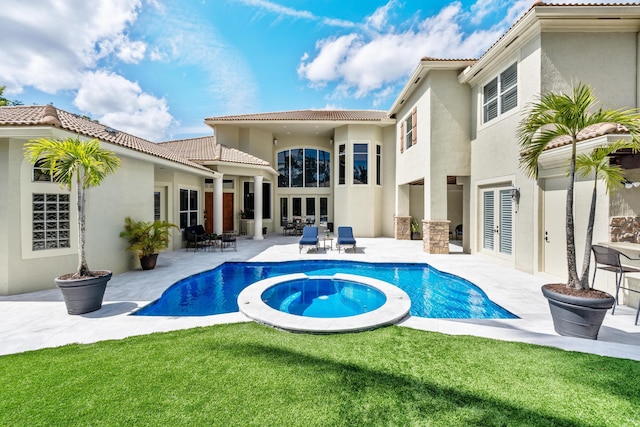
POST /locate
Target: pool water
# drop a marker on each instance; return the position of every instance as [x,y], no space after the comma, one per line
[433,294]
[323,297]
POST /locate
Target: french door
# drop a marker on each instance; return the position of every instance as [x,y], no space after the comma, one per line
[497,222]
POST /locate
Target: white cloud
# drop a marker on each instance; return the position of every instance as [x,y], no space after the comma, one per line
[50,44]
[121,104]
[363,63]
[278,9]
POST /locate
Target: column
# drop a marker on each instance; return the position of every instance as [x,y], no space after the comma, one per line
[217,204]
[435,237]
[257,208]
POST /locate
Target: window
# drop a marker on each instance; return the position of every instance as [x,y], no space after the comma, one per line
[248,200]
[360,163]
[284,210]
[156,205]
[500,94]
[266,200]
[188,208]
[378,165]
[324,210]
[311,207]
[297,207]
[342,163]
[40,173]
[51,227]
[309,168]
[408,130]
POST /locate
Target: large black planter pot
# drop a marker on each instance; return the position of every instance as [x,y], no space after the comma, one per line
[148,262]
[83,295]
[575,316]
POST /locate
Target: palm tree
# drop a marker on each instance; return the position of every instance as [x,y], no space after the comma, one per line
[566,115]
[69,160]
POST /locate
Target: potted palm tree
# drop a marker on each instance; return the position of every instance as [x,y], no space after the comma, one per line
[147,238]
[86,164]
[576,309]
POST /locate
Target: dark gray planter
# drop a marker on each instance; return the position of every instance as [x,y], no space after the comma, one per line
[575,316]
[148,262]
[83,295]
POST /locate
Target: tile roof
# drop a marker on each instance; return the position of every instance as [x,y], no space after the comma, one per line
[48,115]
[593,131]
[308,115]
[206,149]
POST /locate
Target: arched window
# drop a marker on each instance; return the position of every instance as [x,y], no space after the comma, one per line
[304,167]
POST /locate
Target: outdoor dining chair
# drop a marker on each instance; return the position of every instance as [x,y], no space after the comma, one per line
[610,259]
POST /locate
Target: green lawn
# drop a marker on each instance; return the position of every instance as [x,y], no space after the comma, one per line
[247,374]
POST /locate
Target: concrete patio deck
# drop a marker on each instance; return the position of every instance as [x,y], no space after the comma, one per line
[39,320]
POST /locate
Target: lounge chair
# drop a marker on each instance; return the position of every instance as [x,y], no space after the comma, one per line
[309,237]
[345,237]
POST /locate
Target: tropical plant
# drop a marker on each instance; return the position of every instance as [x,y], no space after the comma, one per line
[556,115]
[7,102]
[146,238]
[415,225]
[69,160]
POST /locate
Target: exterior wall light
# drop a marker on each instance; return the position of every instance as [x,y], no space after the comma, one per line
[275,141]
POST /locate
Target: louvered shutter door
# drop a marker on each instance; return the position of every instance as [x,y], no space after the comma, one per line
[402,136]
[414,126]
[506,222]
[488,220]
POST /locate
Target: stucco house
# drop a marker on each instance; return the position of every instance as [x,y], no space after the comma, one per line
[446,153]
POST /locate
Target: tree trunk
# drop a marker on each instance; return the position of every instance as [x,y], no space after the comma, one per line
[83,268]
[573,280]
[584,279]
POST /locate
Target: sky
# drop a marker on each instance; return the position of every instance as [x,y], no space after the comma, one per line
[158,68]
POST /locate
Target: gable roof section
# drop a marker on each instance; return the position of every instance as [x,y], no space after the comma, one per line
[206,149]
[48,115]
[308,115]
[556,17]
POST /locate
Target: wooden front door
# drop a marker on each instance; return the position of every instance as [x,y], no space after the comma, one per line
[208,211]
[227,212]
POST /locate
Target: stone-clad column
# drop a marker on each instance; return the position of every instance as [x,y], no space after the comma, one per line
[402,228]
[435,237]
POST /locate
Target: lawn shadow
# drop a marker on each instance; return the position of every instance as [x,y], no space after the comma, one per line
[415,398]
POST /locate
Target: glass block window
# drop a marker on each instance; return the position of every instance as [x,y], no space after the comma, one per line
[51,221]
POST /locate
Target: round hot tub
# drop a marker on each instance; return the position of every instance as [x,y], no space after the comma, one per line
[323,297]
[324,304]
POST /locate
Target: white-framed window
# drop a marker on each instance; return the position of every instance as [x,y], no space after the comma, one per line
[360,163]
[188,207]
[378,164]
[51,221]
[408,131]
[500,94]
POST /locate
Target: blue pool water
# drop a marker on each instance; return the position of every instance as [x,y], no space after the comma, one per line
[433,294]
[323,297]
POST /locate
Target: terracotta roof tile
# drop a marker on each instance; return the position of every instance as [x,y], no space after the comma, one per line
[309,115]
[206,149]
[48,115]
[589,132]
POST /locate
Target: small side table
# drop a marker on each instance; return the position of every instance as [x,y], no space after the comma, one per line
[324,242]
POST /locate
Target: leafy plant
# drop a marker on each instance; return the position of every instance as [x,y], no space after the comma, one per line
[146,238]
[555,116]
[415,225]
[69,160]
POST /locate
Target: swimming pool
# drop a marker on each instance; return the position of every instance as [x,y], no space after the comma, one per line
[433,294]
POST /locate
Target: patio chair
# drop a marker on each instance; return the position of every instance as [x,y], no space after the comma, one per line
[309,237]
[197,237]
[609,259]
[459,232]
[345,237]
[228,240]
